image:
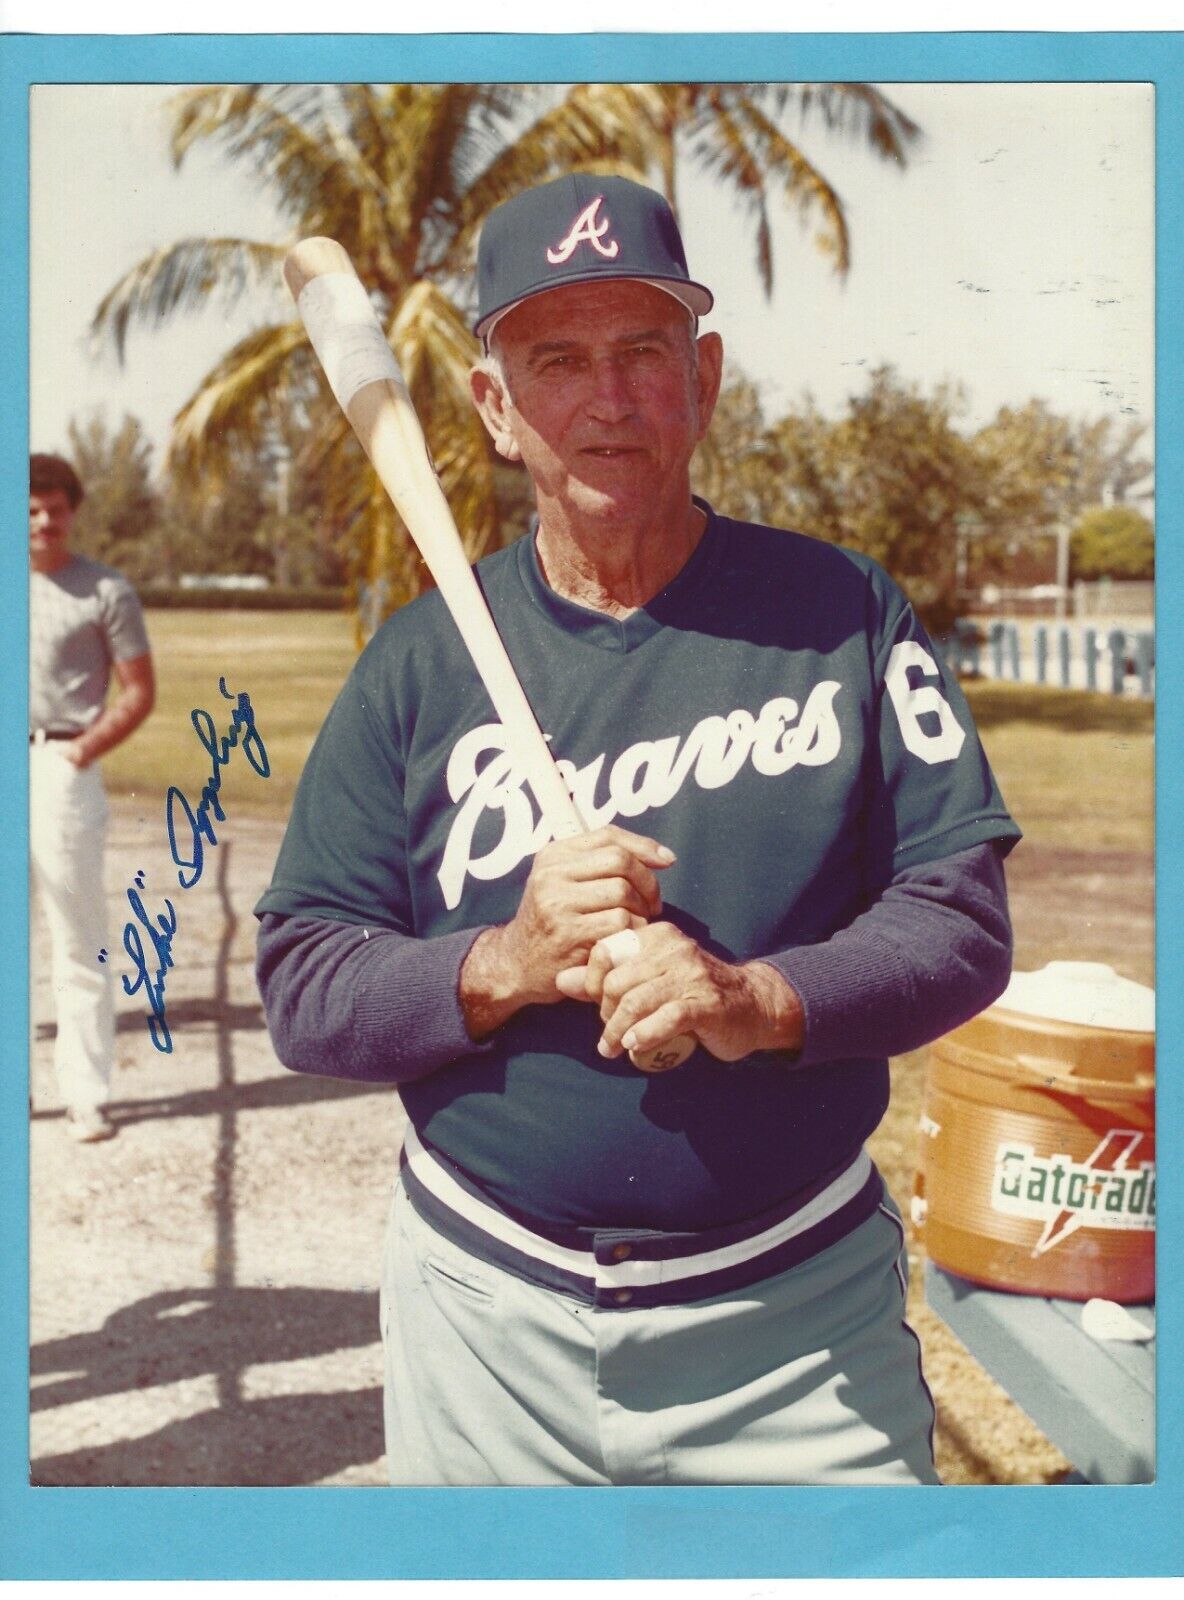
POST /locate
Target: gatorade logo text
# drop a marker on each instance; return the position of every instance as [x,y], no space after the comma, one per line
[1104,1191]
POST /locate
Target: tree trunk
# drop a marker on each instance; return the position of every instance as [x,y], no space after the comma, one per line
[667,163]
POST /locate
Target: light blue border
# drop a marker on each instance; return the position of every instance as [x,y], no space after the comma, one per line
[575,1533]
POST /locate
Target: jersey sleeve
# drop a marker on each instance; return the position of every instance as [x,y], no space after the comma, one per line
[344,851]
[932,950]
[367,1004]
[123,620]
[933,792]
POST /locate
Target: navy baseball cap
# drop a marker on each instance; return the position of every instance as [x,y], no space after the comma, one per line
[580,229]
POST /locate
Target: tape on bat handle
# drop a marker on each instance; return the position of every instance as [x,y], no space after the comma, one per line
[346,335]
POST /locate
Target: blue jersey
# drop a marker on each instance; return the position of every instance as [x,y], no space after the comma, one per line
[779,718]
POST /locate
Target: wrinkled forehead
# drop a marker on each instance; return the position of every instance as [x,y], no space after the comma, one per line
[591,312]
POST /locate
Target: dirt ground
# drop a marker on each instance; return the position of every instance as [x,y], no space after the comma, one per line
[204,1300]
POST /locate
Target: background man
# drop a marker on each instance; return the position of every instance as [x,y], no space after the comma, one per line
[595,1274]
[85,622]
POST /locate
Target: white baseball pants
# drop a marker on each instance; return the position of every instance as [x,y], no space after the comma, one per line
[67,834]
[811,1377]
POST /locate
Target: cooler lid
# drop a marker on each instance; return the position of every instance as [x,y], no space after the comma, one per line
[1085,992]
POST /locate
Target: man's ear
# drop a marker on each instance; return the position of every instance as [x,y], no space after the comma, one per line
[711,366]
[493,408]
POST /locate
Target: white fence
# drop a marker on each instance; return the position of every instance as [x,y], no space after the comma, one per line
[1067,655]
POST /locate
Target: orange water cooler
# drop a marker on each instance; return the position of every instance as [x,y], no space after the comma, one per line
[1037,1162]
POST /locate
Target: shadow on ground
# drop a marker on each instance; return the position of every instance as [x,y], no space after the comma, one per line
[191,1333]
[262,1095]
[245,1017]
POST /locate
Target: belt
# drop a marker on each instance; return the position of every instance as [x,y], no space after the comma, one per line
[619,1268]
[41,735]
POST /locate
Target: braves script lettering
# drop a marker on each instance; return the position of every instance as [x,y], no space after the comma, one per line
[585,230]
[482,777]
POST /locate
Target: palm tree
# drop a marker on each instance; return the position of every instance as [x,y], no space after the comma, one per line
[736,132]
[732,131]
[403,175]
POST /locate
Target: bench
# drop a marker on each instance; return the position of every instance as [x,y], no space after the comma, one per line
[1094,1400]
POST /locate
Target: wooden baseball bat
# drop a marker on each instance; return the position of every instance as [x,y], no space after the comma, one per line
[365,378]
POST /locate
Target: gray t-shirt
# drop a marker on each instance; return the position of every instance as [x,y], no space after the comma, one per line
[82,618]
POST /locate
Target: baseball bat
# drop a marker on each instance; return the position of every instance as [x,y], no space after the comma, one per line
[365,379]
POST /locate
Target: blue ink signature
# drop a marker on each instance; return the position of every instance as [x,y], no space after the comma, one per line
[244,735]
[198,822]
[161,934]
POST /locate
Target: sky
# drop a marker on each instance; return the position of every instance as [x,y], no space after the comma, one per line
[1013,255]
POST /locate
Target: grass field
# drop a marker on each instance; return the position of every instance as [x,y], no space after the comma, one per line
[1076,769]
[291,664]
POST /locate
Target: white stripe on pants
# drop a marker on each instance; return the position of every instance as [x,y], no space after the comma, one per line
[67,834]
[810,1377]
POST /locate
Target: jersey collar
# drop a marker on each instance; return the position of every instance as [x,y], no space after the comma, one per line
[668,608]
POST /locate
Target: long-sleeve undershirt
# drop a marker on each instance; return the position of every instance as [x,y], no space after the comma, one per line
[374,1005]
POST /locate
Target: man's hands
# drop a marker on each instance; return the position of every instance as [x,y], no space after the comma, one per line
[673,986]
[579,890]
[583,889]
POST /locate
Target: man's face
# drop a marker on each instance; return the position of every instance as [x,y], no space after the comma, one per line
[607,399]
[50,518]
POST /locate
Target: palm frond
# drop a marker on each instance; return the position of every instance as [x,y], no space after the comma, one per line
[288,134]
[495,119]
[236,399]
[785,164]
[428,331]
[859,110]
[436,352]
[182,276]
[597,127]
[722,149]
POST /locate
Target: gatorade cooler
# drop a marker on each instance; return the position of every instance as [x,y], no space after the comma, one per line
[1037,1169]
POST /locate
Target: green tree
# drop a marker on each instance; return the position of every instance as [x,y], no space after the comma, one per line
[892,477]
[738,466]
[1032,461]
[119,521]
[895,476]
[1113,542]
[403,175]
[1110,465]
[219,524]
[1042,471]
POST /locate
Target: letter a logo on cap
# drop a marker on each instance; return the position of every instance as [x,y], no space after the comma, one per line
[584,230]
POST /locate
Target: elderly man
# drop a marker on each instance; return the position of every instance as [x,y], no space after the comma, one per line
[594,1273]
[85,626]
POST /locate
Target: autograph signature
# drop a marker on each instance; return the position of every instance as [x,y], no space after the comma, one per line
[186,828]
[161,934]
[198,822]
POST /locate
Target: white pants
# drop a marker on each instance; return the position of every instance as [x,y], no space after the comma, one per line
[67,833]
[810,1377]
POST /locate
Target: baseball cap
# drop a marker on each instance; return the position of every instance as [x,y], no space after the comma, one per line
[580,229]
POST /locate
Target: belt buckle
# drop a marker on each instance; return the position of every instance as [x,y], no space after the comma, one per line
[37,736]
